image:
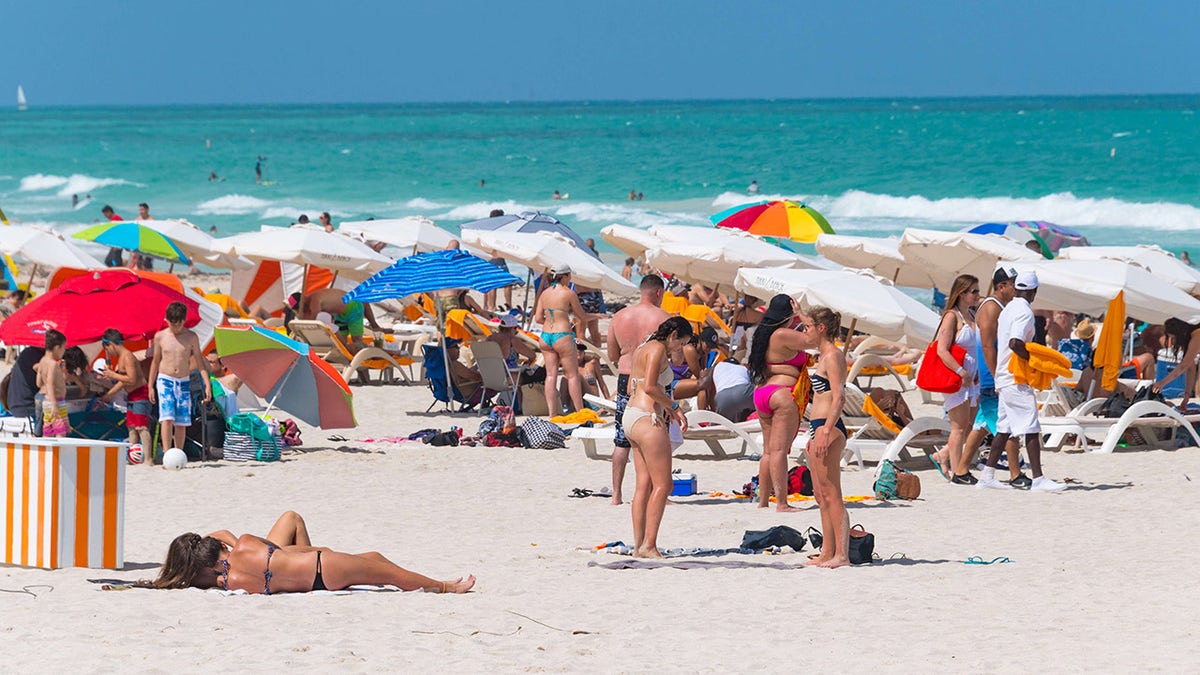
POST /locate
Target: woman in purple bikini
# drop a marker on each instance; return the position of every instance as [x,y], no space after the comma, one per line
[284,562]
[777,364]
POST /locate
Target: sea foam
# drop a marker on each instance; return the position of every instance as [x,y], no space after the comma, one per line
[76,184]
[1063,208]
[231,205]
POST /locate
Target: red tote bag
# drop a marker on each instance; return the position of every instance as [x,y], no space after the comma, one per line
[934,376]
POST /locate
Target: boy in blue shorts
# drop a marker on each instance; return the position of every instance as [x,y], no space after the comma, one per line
[176,353]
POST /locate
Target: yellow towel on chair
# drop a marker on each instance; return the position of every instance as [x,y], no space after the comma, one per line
[1044,364]
[578,417]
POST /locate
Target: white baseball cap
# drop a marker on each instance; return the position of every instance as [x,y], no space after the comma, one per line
[1026,281]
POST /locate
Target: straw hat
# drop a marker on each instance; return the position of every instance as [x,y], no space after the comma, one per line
[1084,330]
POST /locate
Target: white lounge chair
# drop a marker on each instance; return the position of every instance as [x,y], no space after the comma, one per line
[1144,416]
[329,346]
[489,360]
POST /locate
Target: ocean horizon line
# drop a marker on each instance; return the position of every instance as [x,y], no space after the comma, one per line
[1015,98]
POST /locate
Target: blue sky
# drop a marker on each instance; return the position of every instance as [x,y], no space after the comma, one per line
[83,52]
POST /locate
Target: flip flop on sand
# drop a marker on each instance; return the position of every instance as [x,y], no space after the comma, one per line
[938,465]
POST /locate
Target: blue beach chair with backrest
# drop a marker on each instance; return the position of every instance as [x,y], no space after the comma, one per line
[435,372]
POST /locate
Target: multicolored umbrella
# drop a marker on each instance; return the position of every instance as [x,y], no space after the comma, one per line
[84,306]
[1050,237]
[133,236]
[288,375]
[1016,233]
[785,219]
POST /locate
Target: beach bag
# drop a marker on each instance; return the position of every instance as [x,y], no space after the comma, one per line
[896,483]
[539,433]
[249,438]
[1115,405]
[290,432]
[800,481]
[893,405]
[862,544]
[934,376]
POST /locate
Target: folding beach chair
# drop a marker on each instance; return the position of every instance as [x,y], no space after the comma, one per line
[435,374]
[495,373]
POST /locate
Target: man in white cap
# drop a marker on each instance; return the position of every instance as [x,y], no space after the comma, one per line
[1018,413]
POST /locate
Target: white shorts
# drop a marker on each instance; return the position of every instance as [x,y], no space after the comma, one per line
[1017,412]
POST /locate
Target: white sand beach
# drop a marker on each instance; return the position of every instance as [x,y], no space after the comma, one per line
[1099,578]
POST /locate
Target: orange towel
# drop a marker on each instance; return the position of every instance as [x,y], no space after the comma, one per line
[1044,364]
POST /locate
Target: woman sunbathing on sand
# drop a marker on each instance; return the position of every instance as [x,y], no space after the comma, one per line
[284,562]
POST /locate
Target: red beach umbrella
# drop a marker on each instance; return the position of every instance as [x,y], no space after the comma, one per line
[83,307]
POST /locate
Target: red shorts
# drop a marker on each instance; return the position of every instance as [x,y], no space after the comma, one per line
[138,413]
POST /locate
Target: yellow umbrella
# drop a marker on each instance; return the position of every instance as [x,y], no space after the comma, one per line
[1107,358]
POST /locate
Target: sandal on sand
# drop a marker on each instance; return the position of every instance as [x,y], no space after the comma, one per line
[978,560]
[580,492]
[938,465]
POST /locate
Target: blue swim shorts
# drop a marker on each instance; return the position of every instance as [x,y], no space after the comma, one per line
[619,439]
[989,410]
[174,399]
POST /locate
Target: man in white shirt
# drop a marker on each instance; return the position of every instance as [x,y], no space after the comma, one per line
[1017,409]
[735,393]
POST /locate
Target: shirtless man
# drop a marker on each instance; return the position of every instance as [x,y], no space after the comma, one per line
[348,316]
[123,367]
[628,329]
[987,317]
[176,352]
[52,385]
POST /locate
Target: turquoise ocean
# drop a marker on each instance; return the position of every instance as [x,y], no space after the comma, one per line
[1123,170]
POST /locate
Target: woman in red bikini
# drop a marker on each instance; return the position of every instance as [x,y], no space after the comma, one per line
[777,365]
[284,562]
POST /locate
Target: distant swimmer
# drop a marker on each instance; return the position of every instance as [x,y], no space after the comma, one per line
[258,169]
[641,196]
[632,195]
[74,200]
[480,182]
[753,187]
[556,195]
[214,178]
[1186,259]
[303,220]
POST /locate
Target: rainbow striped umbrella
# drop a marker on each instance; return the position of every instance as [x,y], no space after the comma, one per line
[133,236]
[288,375]
[784,219]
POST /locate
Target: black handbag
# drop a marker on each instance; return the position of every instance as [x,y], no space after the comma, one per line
[862,544]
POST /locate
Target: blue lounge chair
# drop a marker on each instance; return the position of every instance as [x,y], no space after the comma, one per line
[435,372]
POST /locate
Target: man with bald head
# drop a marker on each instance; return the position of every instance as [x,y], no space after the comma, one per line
[628,329]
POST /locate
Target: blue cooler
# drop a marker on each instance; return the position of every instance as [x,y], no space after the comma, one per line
[685,484]
[1166,362]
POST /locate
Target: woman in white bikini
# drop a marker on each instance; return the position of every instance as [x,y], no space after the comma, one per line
[649,413]
[958,329]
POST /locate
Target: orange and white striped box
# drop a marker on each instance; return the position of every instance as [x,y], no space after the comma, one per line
[64,502]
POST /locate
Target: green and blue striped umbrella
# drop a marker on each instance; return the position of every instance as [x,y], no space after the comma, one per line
[133,236]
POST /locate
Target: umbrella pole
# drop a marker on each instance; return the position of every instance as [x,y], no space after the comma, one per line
[849,335]
[441,312]
[525,302]
[29,286]
[279,388]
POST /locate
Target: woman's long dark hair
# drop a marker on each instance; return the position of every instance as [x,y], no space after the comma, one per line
[778,313]
[188,556]
[1180,333]
[676,325]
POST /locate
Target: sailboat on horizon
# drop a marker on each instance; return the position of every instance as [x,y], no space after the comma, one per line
[21,103]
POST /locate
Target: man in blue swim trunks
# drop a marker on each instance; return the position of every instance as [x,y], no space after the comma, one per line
[987,317]
[176,353]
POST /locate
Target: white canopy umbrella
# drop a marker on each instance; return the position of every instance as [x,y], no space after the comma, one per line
[866,301]
[631,241]
[306,246]
[717,262]
[196,243]
[542,250]
[878,254]
[45,248]
[1087,286]
[1158,262]
[945,255]
[414,234]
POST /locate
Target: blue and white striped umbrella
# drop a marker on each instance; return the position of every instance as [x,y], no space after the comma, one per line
[429,272]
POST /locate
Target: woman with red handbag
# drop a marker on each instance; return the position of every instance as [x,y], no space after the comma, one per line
[958,329]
